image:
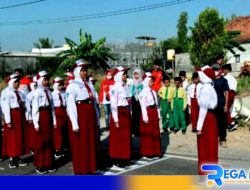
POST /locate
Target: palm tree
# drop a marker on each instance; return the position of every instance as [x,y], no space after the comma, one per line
[94,52]
[43,43]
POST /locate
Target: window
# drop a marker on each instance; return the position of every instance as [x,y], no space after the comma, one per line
[237,58]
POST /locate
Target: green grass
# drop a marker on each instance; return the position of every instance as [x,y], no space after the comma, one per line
[243,85]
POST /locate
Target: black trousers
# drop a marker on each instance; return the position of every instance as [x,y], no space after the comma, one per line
[221,118]
[136,113]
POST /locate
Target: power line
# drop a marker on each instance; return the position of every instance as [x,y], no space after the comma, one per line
[21,4]
[97,15]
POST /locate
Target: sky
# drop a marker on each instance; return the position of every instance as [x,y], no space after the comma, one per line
[160,23]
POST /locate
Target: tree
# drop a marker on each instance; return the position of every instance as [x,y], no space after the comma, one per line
[94,52]
[210,39]
[182,32]
[43,43]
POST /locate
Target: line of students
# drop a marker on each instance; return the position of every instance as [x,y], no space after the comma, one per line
[47,117]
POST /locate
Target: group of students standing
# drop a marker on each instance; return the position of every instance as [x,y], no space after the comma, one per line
[46,123]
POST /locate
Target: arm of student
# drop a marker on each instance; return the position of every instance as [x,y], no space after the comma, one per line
[142,100]
[35,110]
[114,103]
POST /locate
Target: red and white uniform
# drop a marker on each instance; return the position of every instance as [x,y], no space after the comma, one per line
[82,115]
[207,142]
[120,138]
[150,143]
[13,108]
[193,92]
[232,83]
[59,101]
[44,119]
[30,132]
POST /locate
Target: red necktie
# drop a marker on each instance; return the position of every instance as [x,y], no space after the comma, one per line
[61,100]
[195,91]
[153,96]
[47,96]
[18,99]
[89,90]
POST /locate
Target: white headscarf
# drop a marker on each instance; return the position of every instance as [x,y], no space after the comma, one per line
[76,73]
[204,78]
[118,77]
[12,80]
[40,80]
[32,86]
[137,82]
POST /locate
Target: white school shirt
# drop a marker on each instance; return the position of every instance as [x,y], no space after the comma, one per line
[207,100]
[28,103]
[118,97]
[76,91]
[146,99]
[232,82]
[56,99]
[40,100]
[185,84]
[190,91]
[9,101]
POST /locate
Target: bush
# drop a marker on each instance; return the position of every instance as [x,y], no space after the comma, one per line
[243,85]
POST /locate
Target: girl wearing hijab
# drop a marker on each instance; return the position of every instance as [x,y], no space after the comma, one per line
[82,115]
[60,132]
[13,108]
[207,131]
[136,109]
[150,145]
[44,120]
[104,96]
[120,128]
[31,130]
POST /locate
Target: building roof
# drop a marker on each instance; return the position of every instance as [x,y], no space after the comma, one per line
[241,24]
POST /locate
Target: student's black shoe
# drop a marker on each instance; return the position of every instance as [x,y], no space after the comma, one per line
[184,132]
[51,170]
[1,159]
[171,130]
[194,130]
[12,164]
[41,171]
[231,128]
[22,163]
[176,130]
[166,130]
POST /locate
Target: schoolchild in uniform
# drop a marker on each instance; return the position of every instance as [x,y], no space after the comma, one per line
[120,125]
[166,94]
[136,109]
[82,115]
[30,125]
[179,105]
[13,108]
[232,83]
[150,142]
[60,132]
[207,131]
[44,120]
[193,93]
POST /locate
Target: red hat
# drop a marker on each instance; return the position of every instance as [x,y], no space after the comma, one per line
[120,69]
[209,72]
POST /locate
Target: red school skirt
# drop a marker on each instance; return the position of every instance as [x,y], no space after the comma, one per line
[60,132]
[43,147]
[83,144]
[13,138]
[150,141]
[120,138]
[194,112]
[207,143]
